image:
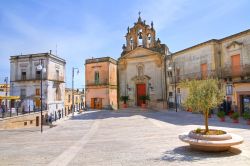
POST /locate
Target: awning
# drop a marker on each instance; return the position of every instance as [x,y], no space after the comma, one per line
[9,97]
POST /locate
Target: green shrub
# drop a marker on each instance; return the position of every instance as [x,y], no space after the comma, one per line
[198,130]
[144,98]
[246,115]
[235,115]
[124,99]
[221,114]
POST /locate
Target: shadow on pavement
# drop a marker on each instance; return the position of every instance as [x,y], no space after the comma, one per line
[185,153]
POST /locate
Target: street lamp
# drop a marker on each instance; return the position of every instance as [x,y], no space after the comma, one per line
[175,96]
[42,70]
[73,73]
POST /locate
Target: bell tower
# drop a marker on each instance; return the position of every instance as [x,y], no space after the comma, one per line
[140,35]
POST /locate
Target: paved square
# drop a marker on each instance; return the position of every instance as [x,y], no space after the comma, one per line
[121,138]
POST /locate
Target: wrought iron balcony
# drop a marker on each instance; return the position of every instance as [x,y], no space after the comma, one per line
[235,71]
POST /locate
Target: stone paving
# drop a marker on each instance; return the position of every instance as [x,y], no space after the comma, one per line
[125,137]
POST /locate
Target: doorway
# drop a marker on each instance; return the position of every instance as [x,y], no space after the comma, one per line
[141,91]
[96,103]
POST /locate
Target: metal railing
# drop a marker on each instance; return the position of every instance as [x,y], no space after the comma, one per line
[193,76]
[235,71]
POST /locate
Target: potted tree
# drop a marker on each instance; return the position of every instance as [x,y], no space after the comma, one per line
[203,96]
[221,115]
[246,116]
[124,99]
[144,98]
[235,116]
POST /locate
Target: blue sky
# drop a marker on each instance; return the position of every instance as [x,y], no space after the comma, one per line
[94,28]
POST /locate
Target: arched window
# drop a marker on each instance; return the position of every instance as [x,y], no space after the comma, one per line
[149,39]
[131,43]
[140,40]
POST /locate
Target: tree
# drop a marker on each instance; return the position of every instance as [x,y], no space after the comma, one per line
[204,95]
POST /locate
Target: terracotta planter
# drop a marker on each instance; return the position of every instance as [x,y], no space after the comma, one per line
[143,105]
[235,120]
[124,105]
[248,121]
[209,116]
[222,119]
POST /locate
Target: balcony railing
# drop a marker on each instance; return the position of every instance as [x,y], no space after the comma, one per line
[193,76]
[235,71]
[94,83]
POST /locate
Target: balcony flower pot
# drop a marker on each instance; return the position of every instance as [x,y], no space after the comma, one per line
[235,117]
[221,115]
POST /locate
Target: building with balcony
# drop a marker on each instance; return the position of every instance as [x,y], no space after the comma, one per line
[101,83]
[25,81]
[227,59]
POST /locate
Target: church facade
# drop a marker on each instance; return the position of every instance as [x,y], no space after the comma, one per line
[142,67]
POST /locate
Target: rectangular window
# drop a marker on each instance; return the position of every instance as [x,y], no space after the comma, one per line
[57,75]
[96,77]
[178,90]
[23,93]
[170,94]
[68,98]
[38,74]
[37,92]
[23,76]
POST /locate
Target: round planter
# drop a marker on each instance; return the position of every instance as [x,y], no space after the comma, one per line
[222,119]
[235,120]
[143,105]
[125,105]
[211,143]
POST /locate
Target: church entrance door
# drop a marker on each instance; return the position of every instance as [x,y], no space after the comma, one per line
[141,91]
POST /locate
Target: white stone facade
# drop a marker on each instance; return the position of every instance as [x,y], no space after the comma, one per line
[25,80]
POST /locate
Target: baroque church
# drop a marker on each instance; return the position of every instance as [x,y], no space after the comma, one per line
[141,67]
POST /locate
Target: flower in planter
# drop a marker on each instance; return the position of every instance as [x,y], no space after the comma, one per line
[221,115]
[144,98]
[246,116]
[124,99]
[235,116]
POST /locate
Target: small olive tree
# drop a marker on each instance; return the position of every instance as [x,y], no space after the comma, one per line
[203,96]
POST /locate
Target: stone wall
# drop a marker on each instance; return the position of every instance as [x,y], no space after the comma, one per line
[22,121]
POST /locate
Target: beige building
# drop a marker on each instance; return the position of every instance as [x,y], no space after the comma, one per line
[101,83]
[79,97]
[227,59]
[142,68]
[25,81]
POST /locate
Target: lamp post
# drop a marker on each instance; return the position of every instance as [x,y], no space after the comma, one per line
[73,73]
[6,93]
[175,95]
[42,70]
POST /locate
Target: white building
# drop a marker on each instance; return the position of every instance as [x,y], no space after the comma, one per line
[25,81]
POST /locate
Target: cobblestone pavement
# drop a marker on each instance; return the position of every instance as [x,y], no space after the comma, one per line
[104,138]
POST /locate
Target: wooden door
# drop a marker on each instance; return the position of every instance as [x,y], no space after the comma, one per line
[141,91]
[92,105]
[235,61]
[204,71]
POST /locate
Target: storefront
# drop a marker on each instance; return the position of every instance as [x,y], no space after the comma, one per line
[242,96]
